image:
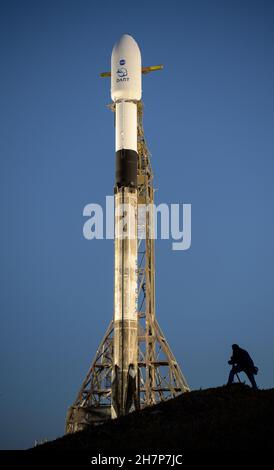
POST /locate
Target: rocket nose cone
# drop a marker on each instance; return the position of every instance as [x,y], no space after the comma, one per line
[126,37]
[126,43]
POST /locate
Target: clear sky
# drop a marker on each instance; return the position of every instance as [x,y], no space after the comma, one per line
[209,118]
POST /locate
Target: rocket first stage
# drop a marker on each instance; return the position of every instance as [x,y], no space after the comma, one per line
[126,73]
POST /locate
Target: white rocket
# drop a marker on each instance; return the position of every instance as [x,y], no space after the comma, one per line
[126,78]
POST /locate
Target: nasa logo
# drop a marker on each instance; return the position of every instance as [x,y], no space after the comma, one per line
[122,72]
[122,62]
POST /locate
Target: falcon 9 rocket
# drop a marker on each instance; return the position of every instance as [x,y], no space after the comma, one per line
[126,73]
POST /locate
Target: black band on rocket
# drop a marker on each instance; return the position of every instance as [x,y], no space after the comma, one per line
[126,168]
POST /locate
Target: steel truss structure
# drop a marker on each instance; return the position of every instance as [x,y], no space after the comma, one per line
[160,377]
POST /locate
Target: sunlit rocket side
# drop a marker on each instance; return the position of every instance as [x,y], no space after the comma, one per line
[126,73]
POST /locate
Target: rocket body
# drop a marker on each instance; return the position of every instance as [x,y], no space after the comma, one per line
[126,75]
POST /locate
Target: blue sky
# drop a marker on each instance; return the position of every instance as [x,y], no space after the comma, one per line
[208,121]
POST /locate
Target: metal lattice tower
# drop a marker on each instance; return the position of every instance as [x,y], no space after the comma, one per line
[160,377]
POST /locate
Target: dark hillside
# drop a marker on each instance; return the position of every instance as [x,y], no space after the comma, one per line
[224,418]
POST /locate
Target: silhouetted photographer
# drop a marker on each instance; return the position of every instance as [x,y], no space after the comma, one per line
[242,362]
